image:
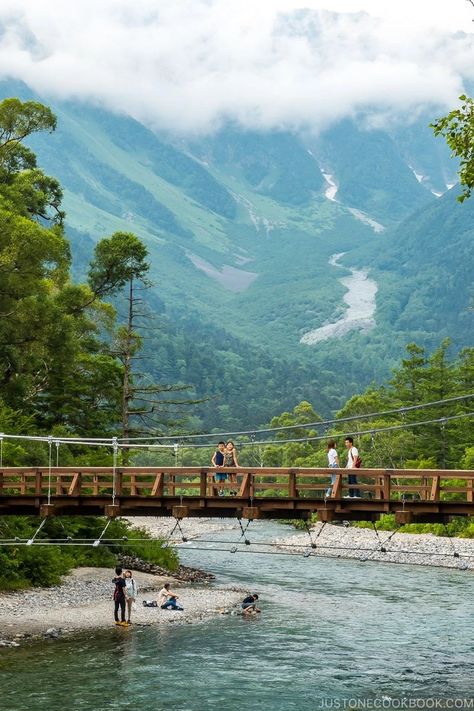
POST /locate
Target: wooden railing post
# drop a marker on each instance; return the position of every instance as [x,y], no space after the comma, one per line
[203,483]
[158,486]
[38,482]
[75,486]
[292,491]
[251,485]
[337,486]
[387,479]
[435,488]
[469,491]
[23,483]
[171,484]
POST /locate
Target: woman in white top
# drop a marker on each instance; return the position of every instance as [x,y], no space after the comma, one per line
[333,463]
[131,590]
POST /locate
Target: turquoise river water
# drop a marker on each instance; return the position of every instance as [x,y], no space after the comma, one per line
[333,634]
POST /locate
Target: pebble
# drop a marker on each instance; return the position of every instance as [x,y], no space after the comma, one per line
[365,545]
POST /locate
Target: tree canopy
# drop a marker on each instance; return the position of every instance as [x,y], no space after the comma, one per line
[458,130]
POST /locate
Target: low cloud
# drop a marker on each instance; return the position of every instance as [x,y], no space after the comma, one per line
[188,66]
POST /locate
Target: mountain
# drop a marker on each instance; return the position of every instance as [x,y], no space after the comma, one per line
[242,228]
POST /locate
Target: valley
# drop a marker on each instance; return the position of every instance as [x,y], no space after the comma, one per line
[242,228]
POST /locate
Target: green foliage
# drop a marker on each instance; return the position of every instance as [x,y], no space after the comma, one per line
[459,526]
[34,566]
[117,259]
[458,130]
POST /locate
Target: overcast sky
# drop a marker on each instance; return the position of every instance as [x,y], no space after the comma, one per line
[188,65]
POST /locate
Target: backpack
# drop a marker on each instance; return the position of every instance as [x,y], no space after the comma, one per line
[357,460]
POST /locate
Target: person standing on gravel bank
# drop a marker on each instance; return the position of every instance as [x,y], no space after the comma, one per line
[119,596]
[131,591]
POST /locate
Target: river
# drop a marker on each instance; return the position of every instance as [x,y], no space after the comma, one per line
[331,630]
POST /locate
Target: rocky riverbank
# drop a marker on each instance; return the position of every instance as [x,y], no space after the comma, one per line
[84,601]
[388,546]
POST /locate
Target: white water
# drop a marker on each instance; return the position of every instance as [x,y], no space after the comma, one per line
[360,300]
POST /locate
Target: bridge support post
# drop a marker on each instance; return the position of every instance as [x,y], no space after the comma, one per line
[403,517]
[112,510]
[46,510]
[180,511]
[325,515]
[250,513]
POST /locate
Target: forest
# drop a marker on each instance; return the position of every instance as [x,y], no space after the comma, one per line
[67,369]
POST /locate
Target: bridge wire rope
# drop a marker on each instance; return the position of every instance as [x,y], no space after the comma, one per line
[90,542]
[176,526]
[108,442]
[50,443]
[114,468]
[98,541]
[243,531]
[314,438]
[312,542]
[400,410]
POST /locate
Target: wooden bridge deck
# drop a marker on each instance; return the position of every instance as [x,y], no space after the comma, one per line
[412,494]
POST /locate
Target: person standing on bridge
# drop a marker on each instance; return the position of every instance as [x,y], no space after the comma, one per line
[352,463]
[218,461]
[333,463]
[230,460]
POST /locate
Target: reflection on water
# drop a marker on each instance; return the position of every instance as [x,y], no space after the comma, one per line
[330,629]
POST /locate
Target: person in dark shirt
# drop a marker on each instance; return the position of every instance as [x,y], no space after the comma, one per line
[249,606]
[119,597]
[218,461]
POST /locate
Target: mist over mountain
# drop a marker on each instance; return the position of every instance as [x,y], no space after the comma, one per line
[243,226]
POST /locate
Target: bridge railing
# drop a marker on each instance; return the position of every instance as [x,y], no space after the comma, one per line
[265,482]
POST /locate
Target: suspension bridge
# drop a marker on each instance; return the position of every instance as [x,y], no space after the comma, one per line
[413,495]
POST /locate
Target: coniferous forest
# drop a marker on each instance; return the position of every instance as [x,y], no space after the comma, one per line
[68,364]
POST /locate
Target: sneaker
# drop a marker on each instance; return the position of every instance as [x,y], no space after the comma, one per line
[124,624]
[117,622]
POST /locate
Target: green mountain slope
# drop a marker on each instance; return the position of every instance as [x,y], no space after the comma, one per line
[241,232]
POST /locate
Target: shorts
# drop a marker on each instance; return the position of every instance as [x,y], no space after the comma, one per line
[221,477]
[246,605]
